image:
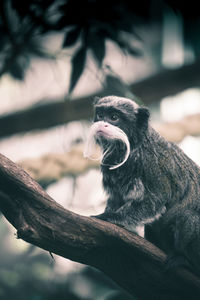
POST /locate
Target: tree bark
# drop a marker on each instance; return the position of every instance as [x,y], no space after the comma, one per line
[132,262]
[151,89]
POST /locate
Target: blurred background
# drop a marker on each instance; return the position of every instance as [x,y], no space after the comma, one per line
[55,56]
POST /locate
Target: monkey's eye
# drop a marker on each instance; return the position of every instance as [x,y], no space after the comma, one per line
[114,117]
[99,116]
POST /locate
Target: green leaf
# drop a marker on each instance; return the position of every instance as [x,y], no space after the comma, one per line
[134,51]
[127,47]
[98,48]
[17,71]
[71,37]
[78,65]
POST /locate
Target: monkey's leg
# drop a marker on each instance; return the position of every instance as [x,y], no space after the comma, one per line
[186,240]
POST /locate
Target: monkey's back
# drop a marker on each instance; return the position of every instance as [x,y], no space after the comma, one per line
[170,169]
[178,230]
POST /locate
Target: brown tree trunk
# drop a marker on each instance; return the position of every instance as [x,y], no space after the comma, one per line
[132,262]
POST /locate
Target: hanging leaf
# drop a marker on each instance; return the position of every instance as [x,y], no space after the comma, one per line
[17,71]
[127,47]
[78,64]
[71,37]
[134,51]
[98,47]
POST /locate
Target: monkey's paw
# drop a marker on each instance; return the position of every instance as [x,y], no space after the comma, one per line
[111,217]
[106,216]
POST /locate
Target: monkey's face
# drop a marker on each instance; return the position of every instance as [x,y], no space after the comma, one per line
[109,122]
[116,128]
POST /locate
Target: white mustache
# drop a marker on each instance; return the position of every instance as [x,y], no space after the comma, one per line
[110,132]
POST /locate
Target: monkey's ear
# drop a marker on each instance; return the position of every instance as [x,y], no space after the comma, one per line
[142,117]
[96,99]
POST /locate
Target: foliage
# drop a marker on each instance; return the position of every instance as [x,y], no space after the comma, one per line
[22,28]
[88,23]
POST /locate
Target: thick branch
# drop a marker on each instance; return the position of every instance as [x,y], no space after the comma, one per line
[129,260]
[167,83]
[47,115]
[151,89]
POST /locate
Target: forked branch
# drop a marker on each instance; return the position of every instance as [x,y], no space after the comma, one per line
[131,261]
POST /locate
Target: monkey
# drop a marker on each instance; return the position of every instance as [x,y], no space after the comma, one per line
[152,186]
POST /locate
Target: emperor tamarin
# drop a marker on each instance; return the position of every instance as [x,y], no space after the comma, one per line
[149,181]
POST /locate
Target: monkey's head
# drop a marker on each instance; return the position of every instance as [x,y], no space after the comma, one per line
[119,126]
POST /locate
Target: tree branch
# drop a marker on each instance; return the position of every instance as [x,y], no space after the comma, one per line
[132,262]
[178,130]
[53,166]
[167,83]
[151,89]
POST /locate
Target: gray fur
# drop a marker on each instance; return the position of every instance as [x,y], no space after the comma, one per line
[158,185]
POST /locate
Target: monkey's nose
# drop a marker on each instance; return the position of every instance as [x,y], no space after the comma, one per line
[106,125]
